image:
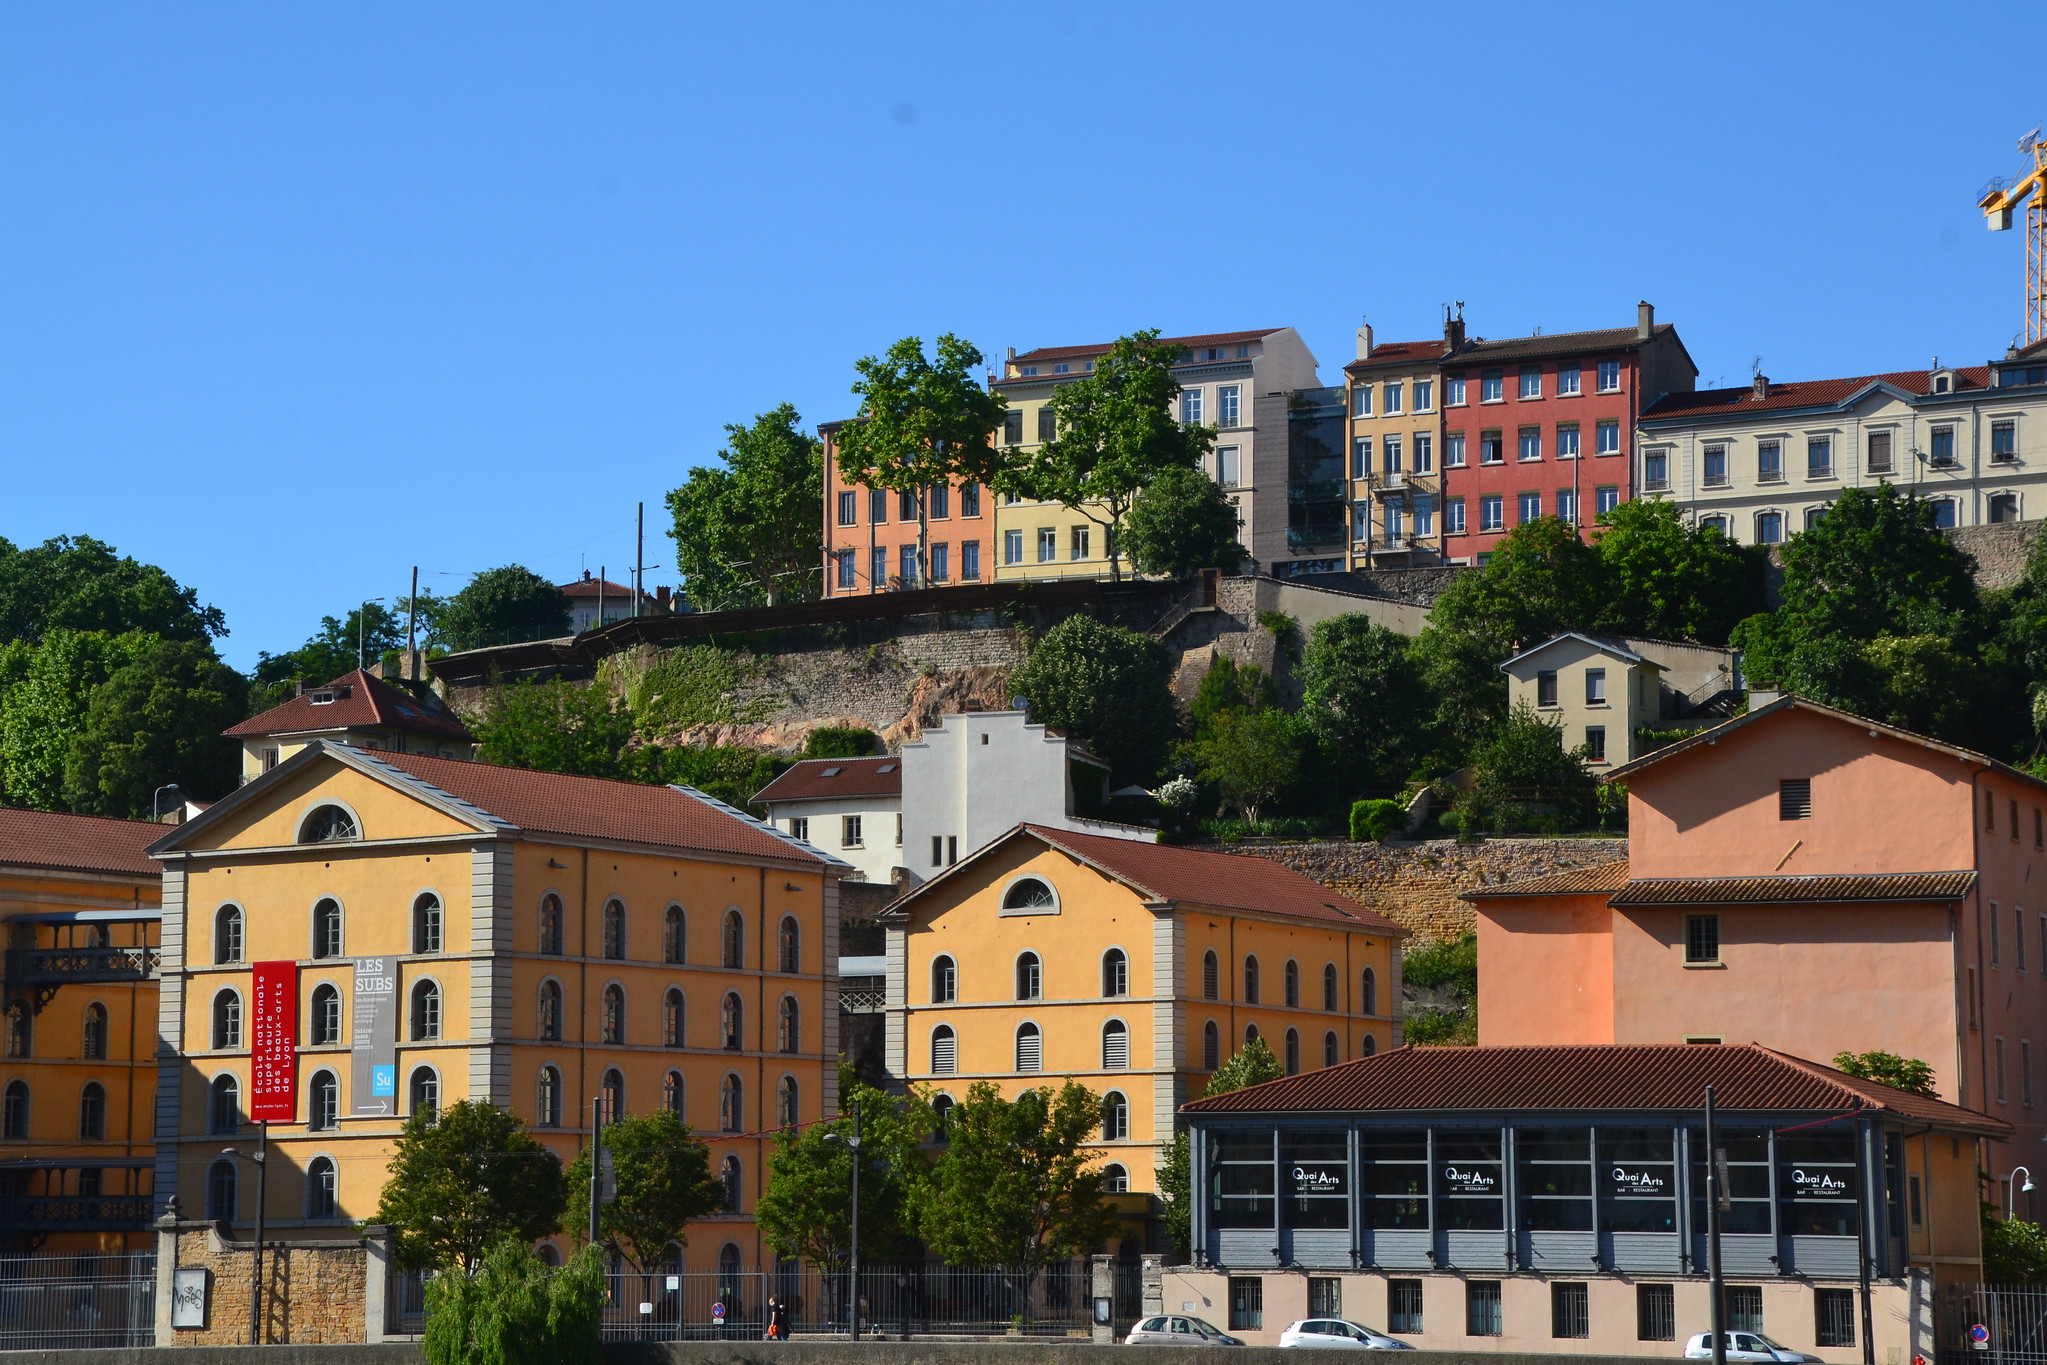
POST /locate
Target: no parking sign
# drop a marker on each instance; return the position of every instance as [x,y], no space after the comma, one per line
[1979,1337]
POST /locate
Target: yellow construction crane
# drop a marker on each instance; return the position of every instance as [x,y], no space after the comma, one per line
[1999,198]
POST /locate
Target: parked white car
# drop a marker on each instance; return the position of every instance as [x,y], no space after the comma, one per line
[1178,1329]
[1747,1347]
[1339,1334]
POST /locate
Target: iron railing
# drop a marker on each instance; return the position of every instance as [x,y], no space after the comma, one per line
[50,1303]
[862,1000]
[35,966]
[2014,1316]
[76,1213]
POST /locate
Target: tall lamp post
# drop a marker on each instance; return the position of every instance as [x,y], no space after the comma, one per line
[853,1145]
[2013,1190]
[262,1160]
[1716,1284]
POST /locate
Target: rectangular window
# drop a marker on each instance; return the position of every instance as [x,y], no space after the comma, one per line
[799,828]
[1391,400]
[1361,457]
[2026,1072]
[939,500]
[1996,939]
[1744,1308]
[1078,542]
[1393,518]
[1424,452]
[1879,457]
[1546,688]
[1656,470]
[1190,407]
[849,507]
[1247,1303]
[1702,938]
[1819,457]
[269,758]
[2004,442]
[1567,378]
[1228,471]
[1492,387]
[1794,798]
[941,562]
[906,506]
[1424,395]
[970,500]
[1567,441]
[877,505]
[1361,401]
[1769,528]
[1655,1304]
[848,571]
[1769,462]
[1491,448]
[849,831]
[1424,517]
[1716,466]
[1595,744]
[1325,1296]
[1943,452]
[1605,498]
[1048,544]
[1453,391]
[970,560]
[1492,512]
[1404,1306]
[877,567]
[907,571]
[1012,427]
[938,850]
[1610,382]
[1595,687]
[1528,508]
[1012,547]
[1834,1314]
[1531,443]
[1569,1315]
[1048,423]
[1969,978]
[1531,382]
[1482,1308]
[1567,505]
[2018,938]
[1606,438]
[1916,1201]
[1228,407]
[1391,454]
[1997,1061]
[1453,517]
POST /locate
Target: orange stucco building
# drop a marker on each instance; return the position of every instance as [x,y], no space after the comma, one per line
[1810,880]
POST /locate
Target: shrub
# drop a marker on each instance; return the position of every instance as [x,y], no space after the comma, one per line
[1376,819]
[516,1311]
[841,741]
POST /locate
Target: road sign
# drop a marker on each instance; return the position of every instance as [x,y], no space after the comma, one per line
[718,1312]
[1979,1337]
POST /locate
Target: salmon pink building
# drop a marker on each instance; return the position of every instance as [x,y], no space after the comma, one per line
[1810,880]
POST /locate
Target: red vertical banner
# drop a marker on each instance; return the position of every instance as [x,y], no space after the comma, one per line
[273,1049]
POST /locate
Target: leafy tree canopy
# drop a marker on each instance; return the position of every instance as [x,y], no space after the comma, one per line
[807,1207]
[1363,692]
[841,741]
[1673,581]
[1109,688]
[1255,1065]
[664,1180]
[1542,579]
[332,651]
[1876,565]
[746,534]
[504,606]
[45,692]
[1251,756]
[1229,686]
[516,1311]
[556,727]
[460,1182]
[1180,523]
[1888,1068]
[82,584]
[1524,772]
[158,719]
[2014,1251]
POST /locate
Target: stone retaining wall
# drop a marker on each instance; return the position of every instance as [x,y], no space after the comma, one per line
[314,1292]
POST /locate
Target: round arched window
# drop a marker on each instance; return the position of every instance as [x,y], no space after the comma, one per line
[1029,893]
[326,824]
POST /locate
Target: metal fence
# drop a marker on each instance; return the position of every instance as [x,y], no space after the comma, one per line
[2013,1319]
[49,1303]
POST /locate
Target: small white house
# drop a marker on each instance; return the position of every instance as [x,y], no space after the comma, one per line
[850,807]
[1605,689]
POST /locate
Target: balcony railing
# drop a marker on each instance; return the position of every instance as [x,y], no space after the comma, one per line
[77,1213]
[66,966]
[1315,537]
[862,1000]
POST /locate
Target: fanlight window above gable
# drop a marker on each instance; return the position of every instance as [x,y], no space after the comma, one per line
[328,824]
[1029,893]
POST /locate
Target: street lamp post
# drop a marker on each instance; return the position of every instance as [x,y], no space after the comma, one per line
[156,799]
[2012,1191]
[262,1160]
[853,1145]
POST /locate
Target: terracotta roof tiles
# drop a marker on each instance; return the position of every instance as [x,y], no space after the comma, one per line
[1888,886]
[1397,352]
[823,778]
[1599,879]
[1806,393]
[1048,353]
[78,843]
[360,701]
[1481,351]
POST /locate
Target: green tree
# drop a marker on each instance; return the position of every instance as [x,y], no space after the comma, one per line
[664,1180]
[46,691]
[504,606]
[1888,1068]
[1670,580]
[1876,565]
[157,720]
[1015,1186]
[1182,522]
[841,741]
[333,650]
[1109,688]
[1116,435]
[747,533]
[1251,756]
[78,583]
[1363,692]
[1542,580]
[516,1311]
[2014,1251]
[1449,968]
[1525,775]
[806,1210]
[732,773]
[460,1182]
[1255,1065]
[555,727]
[922,421]
[1229,686]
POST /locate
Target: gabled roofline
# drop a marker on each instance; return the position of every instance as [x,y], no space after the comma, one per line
[898,909]
[1617,651]
[830,861]
[1738,411]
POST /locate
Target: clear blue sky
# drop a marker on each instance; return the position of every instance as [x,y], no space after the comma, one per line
[293,297]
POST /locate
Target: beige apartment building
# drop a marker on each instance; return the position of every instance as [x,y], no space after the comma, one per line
[1764,461]
[1391,396]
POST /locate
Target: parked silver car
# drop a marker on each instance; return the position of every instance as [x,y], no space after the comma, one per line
[1339,1334]
[1748,1348]
[1178,1329]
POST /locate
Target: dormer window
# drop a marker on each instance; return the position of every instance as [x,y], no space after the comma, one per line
[1062,368]
[1943,381]
[1030,369]
[886,768]
[323,697]
[831,772]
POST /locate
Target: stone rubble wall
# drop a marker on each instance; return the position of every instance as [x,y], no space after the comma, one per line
[314,1292]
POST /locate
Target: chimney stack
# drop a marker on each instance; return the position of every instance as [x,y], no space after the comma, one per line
[1453,330]
[1759,387]
[1365,342]
[1645,321]
[661,596]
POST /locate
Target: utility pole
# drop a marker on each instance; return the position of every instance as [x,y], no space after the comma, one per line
[598,624]
[596,1167]
[639,558]
[412,628]
[856,1220]
[1716,1285]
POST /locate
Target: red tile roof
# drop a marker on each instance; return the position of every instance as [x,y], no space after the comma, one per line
[1602,879]
[587,587]
[1801,890]
[1046,353]
[1638,1077]
[78,843]
[1480,351]
[598,808]
[1805,393]
[816,778]
[360,702]
[1397,352]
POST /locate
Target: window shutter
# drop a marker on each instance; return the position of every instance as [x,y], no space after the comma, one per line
[945,1052]
[1029,1051]
[1794,798]
[1115,1048]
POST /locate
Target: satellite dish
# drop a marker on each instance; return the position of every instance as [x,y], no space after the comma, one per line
[2027,142]
[1019,704]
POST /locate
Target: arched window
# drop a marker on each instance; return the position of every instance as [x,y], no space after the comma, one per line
[672,1093]
[945,980]
[735,939]
[945,1051]
[220,1191]
[675,935]
[551,925]
[328,824]
[227,1019]
[323,1102]
[729,1178]
[614,930]
[1369,1046]
[1332,1050]
[785,1103]
[1329,983]
[227,934]
[1030,1048]
[674,1018]
[1368,994]
[320,1187]
[789,1026]
[1251,980]
[1115,1046]
[20,1030]
[326,1020]
[327,928]
[93,1041]
[612,1089]
[547,1108]
[1292,978]
[613,1022]
[1030,977]
[1293,1052]
[1029,893]
[1115,973]
[728,1255]
[732,1022]
[1211,1046]
[551,1010]
[92,1111]
[730,1097]
[426,924]
[789,944]
[425,1091]
[549,1254]
[1250,1034]
[1211,976]
[16,1120]
[426,1012]
[1115,1179]
[224,1105]
[1115,1117]
[941,1110]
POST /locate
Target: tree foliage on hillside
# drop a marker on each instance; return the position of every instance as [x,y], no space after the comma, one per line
[78,583]
[747,531]
[1180,523]
[504,606]
[1107,687]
